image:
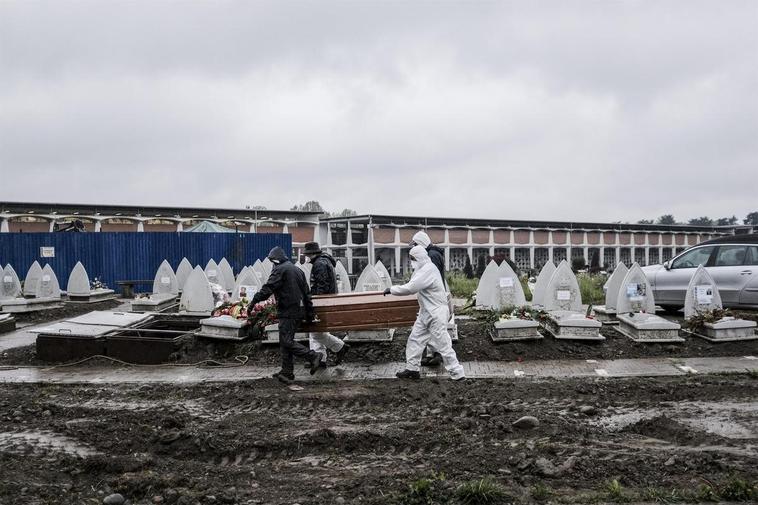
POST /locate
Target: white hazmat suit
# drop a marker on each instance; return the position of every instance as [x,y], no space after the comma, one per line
[431,323]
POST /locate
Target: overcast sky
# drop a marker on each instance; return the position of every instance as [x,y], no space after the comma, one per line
[568,110]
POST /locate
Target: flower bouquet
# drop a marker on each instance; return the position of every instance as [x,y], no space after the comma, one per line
[262,315]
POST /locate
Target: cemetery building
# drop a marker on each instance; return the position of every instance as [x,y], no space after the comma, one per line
[359,240]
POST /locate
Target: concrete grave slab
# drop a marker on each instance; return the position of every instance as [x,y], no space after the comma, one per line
[569,325]
[512,330]
[109,318]
[648,328]
[370,335]
[224,328]
[271,334]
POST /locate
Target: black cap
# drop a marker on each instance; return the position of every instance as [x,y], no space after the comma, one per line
[312,248]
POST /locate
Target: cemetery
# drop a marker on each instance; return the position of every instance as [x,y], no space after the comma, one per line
[192,316]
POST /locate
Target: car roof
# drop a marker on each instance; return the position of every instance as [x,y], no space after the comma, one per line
[749,238]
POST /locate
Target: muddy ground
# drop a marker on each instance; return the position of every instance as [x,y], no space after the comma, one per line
[382,442]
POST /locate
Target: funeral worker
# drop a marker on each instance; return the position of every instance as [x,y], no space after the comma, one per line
[324,282]
[293,304]
[431,323]
[437,255]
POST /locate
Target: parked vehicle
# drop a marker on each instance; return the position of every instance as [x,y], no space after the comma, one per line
[732,262]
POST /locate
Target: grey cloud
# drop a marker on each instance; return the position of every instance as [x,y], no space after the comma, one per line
[581,110]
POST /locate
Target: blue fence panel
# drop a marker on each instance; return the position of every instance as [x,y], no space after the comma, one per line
[130,256]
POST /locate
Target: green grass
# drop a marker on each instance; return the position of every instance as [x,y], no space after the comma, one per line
[424,491]
[460,286]
[482,492]
[591,288]
[527,291]
[542,492]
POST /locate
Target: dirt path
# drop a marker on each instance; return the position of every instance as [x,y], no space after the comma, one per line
[367,442]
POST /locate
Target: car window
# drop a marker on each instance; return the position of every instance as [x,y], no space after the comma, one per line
[752,255]
[730,256]
[693,258]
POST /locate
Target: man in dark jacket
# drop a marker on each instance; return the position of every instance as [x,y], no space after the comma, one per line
[437,256]
[293,303]
[324,282]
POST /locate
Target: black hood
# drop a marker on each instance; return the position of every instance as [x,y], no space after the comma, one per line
[277,255]
[435,248]
[329,258]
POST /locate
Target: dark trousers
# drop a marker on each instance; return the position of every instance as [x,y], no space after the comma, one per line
[287,345]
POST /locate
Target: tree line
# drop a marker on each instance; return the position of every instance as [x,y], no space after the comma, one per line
[751,218]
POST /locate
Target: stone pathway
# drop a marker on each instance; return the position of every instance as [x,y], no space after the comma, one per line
[648,367]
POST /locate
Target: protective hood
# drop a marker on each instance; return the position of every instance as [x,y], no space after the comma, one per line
[419,253]
[422,239]
[327,257]
[277,256]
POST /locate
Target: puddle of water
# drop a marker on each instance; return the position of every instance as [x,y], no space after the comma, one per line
[43,441]
[728,419]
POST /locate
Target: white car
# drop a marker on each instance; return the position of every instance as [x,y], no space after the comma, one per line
[731,261]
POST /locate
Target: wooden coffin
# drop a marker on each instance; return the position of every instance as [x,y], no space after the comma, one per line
[362,311]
